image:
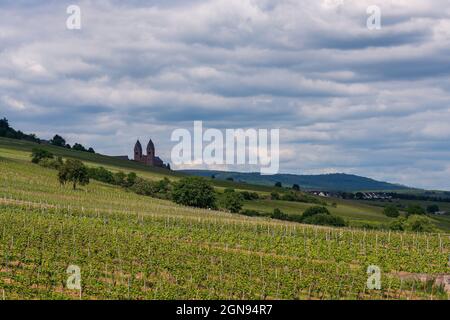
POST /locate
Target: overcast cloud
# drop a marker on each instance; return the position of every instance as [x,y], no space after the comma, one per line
[347,99]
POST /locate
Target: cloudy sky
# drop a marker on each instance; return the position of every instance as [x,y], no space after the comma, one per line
[346,98]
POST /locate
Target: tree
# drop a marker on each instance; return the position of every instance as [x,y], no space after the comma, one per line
[194,192]
[58,141]
[73,171]
[311,211]
[433,208]
[91,150]
[78,147]
[295,187]
[415,210]
[278,184]
[38,154]
[391,211]
[232,201]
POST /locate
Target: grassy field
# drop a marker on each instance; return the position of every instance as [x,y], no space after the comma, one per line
[134,247]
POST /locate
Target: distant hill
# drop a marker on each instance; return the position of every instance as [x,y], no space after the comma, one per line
[323,182]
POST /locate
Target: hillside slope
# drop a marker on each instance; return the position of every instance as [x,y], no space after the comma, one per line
[323,182]
[135,247]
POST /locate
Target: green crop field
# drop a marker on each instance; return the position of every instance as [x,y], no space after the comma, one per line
[129,246]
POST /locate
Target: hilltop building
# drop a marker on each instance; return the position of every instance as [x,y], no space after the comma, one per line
[150,158]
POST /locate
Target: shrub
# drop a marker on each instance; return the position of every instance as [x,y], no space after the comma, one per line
[432,208]
[119,178]
[232,201]
[415,210]
[278,184]
[101,174]
[52,163]
[312,211]
[249,195]
[228,190]
[325,220]
[391,211]
[296,187]
[274,196]
[251,213]
[398,224]
[419,223]
[130,179]
[194,192]
[278,214]
[38,154]
[144,187]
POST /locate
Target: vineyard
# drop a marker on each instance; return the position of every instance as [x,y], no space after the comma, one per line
[134,247]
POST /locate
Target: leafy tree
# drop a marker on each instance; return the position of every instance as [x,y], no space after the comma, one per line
[391,211]
[38,154]
[91,150]
[58,141]
[311,211]
[278,185]
[194,192]
[295,187]
[415,210]
[232,201]
[78,147]
[433,208]
[73,171]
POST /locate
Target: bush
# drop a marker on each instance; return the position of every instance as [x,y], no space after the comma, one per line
[391,211]
[144,187]
[249,195]
[232,201]
[228,190]
[278,184]
[312,211]
[119,179]
[194,192]
[325,220]
[52,163]
[415,210]
[130,179]
[278,214]
[38,154]
[433,208]
[274,196]
[398,224]
[101,174]
[296,187]
[419,223]
[251,213]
